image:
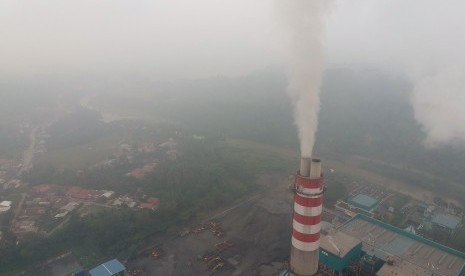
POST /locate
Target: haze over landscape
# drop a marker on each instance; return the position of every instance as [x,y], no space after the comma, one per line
[163,132]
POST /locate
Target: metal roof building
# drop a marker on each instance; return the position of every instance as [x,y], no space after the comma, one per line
[338,250]
[446,221]
[110,268]
[409,254]
[363,201]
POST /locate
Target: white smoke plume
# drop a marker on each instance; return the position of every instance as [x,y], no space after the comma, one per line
[423,39]
[304,21]
[439,104]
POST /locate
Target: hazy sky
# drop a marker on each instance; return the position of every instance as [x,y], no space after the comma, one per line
[162,38]
[159,39]
[186,38]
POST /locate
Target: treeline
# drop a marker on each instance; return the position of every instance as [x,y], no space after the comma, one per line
[80,127]
[117,233]
[12,142]
[105,178]
[364,111]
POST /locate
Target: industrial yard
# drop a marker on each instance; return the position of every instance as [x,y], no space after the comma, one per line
[250,238]
[253,238]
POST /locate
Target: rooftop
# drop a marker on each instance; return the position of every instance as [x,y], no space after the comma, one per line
[5,206]
[107,269]
[5,203]
[447,221]
[363,201]
[338,243]
[42,188]
[81,193]
[385,240]
[402,269]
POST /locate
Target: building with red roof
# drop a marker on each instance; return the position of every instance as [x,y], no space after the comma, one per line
[42,188]
[151,203]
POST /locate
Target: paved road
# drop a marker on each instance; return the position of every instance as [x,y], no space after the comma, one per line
[225,212]
[18,209]
[28,154]
[57,227]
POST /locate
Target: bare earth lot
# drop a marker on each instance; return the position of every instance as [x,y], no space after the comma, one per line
[259,229]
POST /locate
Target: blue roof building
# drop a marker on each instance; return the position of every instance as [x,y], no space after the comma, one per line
[363,201]
[366,246]
[110,268]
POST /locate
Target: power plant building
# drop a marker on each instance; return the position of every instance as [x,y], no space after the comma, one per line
[366,246]
[363,201]
[447,222]
[341,255]
[362,246]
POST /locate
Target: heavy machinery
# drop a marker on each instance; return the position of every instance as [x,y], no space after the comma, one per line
[224,245]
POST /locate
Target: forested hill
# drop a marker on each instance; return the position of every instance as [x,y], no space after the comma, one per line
[364,112]
[368,113]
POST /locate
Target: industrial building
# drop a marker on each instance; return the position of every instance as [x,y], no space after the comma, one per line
[363,201]
[362,246]
[341,255]
[110,268]
[446,222]
[366,246]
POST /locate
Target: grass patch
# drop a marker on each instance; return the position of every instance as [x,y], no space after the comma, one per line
[88,256]
[81,156]
[92,210]
[47,222]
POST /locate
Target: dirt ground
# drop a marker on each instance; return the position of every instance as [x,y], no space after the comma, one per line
[260,230]
[65,266]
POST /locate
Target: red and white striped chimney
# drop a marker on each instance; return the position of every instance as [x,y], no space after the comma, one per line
[308,200]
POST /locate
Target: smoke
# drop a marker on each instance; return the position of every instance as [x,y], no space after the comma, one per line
[435,64]
[304,22]
[439,105]
[422,39]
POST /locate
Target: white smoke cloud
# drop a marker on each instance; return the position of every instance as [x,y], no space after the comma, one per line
[439,105]
[304,22]
[422,38]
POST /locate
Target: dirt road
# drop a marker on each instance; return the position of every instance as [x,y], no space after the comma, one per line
[28,154]
[18,209]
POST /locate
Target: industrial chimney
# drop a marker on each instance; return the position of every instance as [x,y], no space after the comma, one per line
[308,200]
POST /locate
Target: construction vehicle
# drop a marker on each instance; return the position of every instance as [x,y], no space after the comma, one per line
[211,267]
[134,272]
[218,232]
[157,253]
[213,262]
[218,266]
[224,245]
[207,257]
[214,224]
[198,228]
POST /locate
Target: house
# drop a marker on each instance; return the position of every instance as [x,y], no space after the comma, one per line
[5,206]
[151,203]
[42,188]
